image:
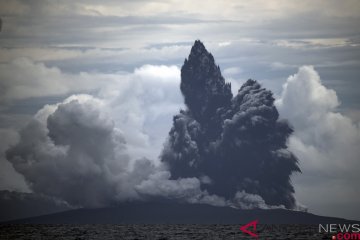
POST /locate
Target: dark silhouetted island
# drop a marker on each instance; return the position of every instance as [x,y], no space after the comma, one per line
[178,213]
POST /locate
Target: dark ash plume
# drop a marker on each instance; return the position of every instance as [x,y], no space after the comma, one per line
[237,143]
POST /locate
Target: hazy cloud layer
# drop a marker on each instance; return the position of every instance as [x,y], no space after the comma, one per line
[24,78]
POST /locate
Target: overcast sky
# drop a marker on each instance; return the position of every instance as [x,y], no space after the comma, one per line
[129,55]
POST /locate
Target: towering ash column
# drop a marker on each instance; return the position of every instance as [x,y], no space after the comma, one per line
[234,145]
[202,85]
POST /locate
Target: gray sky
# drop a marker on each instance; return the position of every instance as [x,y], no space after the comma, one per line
[129,54]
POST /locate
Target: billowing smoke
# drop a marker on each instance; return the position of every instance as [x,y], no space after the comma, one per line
[237,144]
[72,151]
[222,150]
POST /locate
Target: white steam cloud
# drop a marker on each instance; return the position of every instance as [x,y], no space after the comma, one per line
[74,152]
[325,141]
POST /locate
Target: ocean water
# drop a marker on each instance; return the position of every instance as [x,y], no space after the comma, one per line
[158,232]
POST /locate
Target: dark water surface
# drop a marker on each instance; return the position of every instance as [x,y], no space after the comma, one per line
[160,231]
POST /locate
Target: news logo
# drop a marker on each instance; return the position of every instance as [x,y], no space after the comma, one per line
[341,231]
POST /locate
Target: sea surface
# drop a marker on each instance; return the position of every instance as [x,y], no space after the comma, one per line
[158,232]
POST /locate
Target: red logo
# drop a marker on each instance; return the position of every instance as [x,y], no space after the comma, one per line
[253,224]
